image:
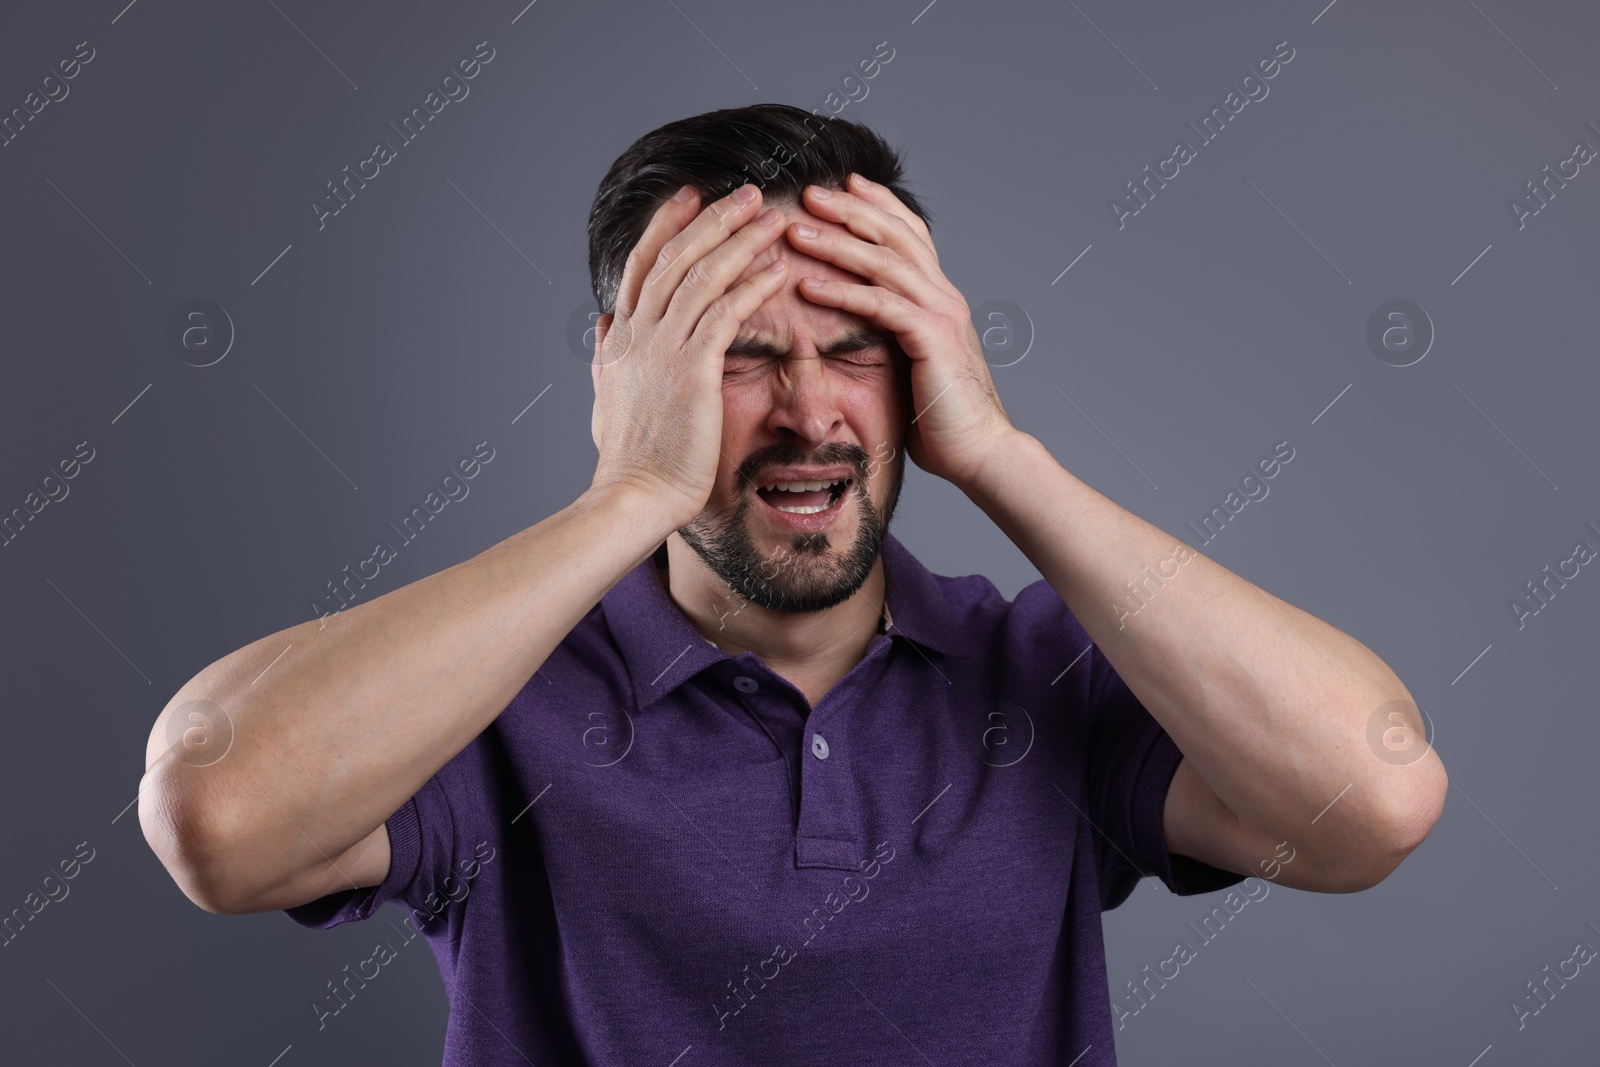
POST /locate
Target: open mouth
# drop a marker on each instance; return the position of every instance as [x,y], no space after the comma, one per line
[803,498]
[804,506]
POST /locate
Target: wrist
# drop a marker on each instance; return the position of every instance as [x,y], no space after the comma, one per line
[630,508]
[1010,458]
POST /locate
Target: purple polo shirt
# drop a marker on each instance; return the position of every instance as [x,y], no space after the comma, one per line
[660,854]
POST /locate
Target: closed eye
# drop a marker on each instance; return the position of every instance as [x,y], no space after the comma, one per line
[863,347]
[739,363]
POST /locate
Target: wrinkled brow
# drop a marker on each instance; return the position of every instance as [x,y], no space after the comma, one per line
[854,341]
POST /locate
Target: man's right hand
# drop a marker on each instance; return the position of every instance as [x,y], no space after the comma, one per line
[658,360]
[295,812]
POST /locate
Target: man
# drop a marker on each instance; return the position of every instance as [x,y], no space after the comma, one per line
[706,768]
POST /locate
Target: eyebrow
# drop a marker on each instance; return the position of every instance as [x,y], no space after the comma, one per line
[854,341]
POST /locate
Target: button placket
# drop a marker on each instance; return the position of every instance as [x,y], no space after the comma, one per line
[829,833]
[828,830]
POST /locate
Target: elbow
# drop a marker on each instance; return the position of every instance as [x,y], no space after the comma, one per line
[1417,808]
[180,800]
[1410,815]
[176,831]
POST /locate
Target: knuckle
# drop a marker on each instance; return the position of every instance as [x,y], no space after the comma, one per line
[698,275]
[717,313]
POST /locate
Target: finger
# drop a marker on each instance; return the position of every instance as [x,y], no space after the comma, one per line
[670,216]
[714,225]
[883,197]
[878,264]
[720,322]
[888,309]
[612,338]
[887,229]
[860,193]
[872,223]
[709,278]
[602,326]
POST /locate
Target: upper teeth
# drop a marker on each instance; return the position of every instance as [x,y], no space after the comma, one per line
[801,487]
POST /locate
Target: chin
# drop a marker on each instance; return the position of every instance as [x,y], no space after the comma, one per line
[792,562]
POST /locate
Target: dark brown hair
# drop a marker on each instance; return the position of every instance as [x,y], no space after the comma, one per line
[779,148]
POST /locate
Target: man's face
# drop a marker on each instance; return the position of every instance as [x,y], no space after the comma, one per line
[801,407]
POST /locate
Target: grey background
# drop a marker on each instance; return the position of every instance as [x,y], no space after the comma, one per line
[1226,316]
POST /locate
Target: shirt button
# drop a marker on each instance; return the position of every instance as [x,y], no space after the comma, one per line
[819,746]
[744,684]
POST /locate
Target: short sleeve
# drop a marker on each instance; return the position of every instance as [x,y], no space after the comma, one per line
[421,842]
[1131,761]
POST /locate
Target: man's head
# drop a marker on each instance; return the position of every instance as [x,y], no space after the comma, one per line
[716,153]
[810,393]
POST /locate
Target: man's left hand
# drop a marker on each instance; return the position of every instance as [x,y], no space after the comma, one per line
[958,420]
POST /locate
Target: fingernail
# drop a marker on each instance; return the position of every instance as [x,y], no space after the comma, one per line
[769,216]
[682,195]
[857,180]
[805,231]
[745,193]
[821,192]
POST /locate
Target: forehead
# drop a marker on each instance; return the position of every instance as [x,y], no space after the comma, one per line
[786,314]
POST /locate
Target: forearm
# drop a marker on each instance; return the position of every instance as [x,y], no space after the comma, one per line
[335,723]
[1271,704]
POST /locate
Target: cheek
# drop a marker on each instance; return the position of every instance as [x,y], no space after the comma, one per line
[873,411]
[886,393]
[744,411]
[746,403]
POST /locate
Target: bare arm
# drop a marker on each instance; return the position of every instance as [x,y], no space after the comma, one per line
[364,707]
[1277,713]
[1272,707]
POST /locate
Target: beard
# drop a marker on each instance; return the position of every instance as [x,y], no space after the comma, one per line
[811,572]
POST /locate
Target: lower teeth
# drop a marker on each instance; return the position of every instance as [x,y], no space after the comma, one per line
[811,509]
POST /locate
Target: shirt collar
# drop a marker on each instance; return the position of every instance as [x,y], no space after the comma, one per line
[661,648]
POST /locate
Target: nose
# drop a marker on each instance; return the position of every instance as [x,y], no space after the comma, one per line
[803,402]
